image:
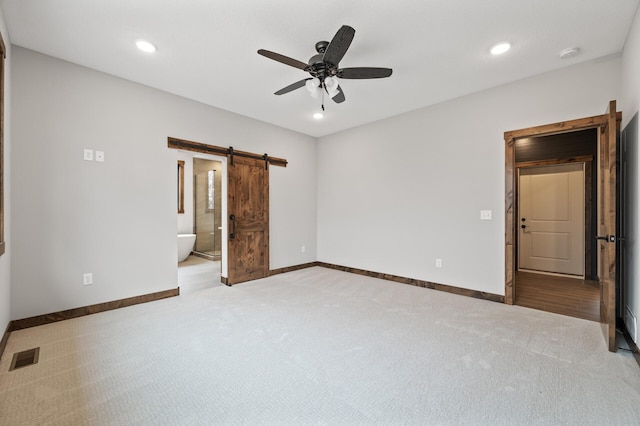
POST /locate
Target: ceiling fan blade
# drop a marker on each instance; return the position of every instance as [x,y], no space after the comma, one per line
[292,87]
[284,59]
[339,45]
[364,72]
[339,98]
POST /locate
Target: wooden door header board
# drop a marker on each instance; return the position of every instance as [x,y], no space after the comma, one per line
[186,145]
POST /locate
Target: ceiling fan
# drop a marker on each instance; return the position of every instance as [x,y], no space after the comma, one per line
[324,67]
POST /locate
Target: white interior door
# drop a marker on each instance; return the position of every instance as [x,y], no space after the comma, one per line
[551,222]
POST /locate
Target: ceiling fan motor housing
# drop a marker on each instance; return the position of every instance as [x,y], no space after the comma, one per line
[320,69]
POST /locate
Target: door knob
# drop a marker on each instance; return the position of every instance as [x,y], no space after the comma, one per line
[523,219]
[523,226]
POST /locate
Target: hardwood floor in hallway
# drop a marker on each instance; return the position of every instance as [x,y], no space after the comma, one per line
[562,295]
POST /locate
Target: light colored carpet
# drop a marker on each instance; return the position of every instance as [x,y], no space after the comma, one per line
[319,346]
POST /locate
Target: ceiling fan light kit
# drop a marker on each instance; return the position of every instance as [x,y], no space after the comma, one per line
[331,86]
[324,67]
[313,86]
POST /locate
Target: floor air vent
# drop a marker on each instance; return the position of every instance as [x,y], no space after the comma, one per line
[24,358]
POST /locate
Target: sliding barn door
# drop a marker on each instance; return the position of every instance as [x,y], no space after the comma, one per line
[248,220]
[607,227]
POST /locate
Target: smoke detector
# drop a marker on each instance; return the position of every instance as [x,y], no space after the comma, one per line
[569,53]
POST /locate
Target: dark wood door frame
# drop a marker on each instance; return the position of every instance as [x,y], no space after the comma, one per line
[607,225]
[510,137]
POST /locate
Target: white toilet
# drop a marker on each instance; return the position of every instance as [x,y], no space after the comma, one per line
[185,245]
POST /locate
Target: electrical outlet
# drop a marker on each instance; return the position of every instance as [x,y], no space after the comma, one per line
[88,154]
[303,249]
[100,156]
[87,279]
[438,263]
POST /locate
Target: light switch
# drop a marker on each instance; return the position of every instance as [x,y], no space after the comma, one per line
[100,156]
[88,154]
[485,214]
[87,279]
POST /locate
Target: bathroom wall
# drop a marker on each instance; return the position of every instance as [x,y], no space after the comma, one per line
[117,219]
[186,224]
[217,240]
[207,222]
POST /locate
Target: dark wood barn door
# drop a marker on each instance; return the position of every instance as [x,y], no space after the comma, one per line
[248,219]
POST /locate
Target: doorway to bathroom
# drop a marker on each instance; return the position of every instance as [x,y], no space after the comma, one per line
[245,206]
[202,192]
[207,208]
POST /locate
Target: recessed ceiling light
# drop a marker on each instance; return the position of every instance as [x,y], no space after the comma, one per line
[145,46]
[318,116]
[500,48]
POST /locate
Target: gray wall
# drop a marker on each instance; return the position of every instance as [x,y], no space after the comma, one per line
[395,195]
[117,219]
[5,260]
[630,105]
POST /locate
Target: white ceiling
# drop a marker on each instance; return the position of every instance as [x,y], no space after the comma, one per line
[438,49]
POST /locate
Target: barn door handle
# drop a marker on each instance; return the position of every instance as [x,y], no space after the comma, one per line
[232,235]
